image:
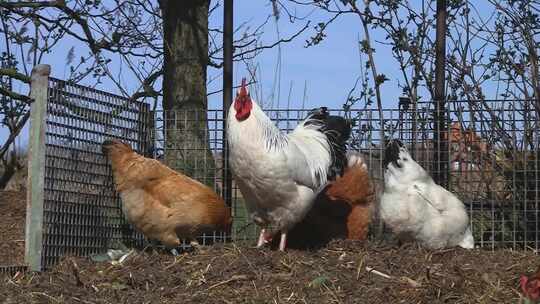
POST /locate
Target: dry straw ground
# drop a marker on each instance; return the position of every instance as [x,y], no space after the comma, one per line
[342,272]
[239,274]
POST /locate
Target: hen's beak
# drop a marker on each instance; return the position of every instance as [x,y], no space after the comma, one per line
[391,153]
[106,145]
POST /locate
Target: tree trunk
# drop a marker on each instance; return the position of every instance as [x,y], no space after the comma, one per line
[8,171]
[185,27]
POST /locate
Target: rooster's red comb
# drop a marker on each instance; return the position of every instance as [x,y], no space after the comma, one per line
[243,88]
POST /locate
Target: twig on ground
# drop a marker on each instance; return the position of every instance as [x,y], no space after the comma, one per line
[371,270]
[360,267]
[45,295]
[239,277]
[411,282]
[75,269]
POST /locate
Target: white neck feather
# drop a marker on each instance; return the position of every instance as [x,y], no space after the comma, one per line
[257,128]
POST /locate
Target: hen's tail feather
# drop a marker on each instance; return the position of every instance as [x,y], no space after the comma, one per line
[337,130]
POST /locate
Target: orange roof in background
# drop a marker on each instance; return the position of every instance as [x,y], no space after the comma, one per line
[467,137]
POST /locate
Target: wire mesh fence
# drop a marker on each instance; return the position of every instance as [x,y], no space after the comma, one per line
[11,270]
[489,158]
[493,167]
[487,154]
[191,142]
[81,210]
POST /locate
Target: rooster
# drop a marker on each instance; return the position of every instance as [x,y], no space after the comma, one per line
[161,203]
[530,287]
[341,211]
[413,206]
[281,174]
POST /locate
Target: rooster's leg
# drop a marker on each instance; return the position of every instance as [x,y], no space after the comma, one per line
[283,241]
[261,241]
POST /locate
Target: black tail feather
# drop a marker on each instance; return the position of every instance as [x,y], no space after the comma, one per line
[338,130]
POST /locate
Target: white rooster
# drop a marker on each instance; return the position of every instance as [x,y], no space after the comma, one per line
[281,174]
[413,206]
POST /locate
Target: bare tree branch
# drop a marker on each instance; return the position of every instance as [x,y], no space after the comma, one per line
[12,73]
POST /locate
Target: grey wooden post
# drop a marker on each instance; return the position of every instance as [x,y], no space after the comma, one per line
[36,167]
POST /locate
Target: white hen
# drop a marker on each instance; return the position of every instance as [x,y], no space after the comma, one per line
[281,174]
[414,206]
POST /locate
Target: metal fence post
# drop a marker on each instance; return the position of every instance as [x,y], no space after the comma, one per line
[36,167]
[227,93]
[441,144]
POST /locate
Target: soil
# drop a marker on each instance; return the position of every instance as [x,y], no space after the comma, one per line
[341,272]
[12,223]
[237,273]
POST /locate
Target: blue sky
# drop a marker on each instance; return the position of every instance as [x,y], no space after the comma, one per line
[328,70]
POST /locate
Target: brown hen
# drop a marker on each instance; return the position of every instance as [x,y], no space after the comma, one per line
[341,211]
[161,203]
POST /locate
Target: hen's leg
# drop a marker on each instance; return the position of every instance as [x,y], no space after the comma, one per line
[155,245]
[262,238]
[174,250]
[283,241]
